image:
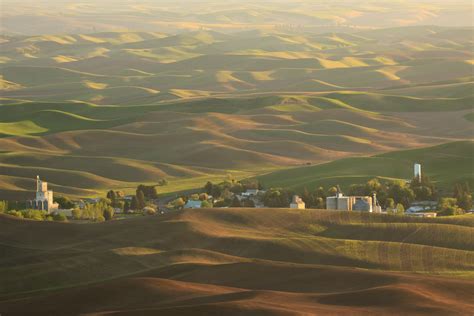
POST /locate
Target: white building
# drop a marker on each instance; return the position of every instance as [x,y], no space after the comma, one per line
[341,202]
[417,171]
[44,197]
[193,204]
[252,192]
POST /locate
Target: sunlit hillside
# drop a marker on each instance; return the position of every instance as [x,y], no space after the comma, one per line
[203,104]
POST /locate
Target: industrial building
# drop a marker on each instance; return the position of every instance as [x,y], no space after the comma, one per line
[44,198]
[353,203]
[297,203]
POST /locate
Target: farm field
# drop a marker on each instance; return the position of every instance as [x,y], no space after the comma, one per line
[239,260]
[96,111]
[152,102]
[445,164]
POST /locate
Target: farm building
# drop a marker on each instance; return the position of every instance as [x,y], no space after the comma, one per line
[44,198]
[193,204]
[353,203]
[297,203]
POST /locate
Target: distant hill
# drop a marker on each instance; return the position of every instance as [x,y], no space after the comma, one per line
[234,260]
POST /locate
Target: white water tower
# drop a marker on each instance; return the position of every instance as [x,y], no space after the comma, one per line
[418,171]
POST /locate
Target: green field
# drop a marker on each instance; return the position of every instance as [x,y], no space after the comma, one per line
[445,164]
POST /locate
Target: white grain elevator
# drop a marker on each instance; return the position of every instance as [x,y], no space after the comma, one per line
[418,171]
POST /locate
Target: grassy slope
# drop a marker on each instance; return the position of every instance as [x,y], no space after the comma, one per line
[445,164]
[241,248]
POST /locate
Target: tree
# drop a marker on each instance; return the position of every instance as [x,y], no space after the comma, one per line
[463,195]
[400,209]
[126,206]
[390,204]
[140,200]
[320,198]
[307,198]
[150,192]
[3,206]
[109,213]
[149,210]
[373,186]
[217,191]
[423,188]
[64,202]
[401,193]
[276,198]
[178,203]
[357,189]
[237,188]
[163,182]
[332,191]
[105,201]
[120,205]
[134,204]
[111,195]
[226,194]
[236,202]
[248,203]
[208,187]
[59,218]
[320,203]
[77,213]
[206,204]
[448,207]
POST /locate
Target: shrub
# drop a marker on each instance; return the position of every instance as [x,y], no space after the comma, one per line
[248,203]
[15,213]
[448,207]
[36,215]
[222,203]
[236,202]
[77,213]
[59,218]
[400,209]
[178,203]
[206,204]
[149,211]
[3,206]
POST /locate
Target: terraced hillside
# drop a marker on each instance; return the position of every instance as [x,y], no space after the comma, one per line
[90,112]
[239,260]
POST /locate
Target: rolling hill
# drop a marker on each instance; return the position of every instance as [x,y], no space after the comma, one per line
[108,109]
[239,261]
[445,164]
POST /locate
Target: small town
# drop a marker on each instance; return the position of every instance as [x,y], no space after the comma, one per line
[417,197]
